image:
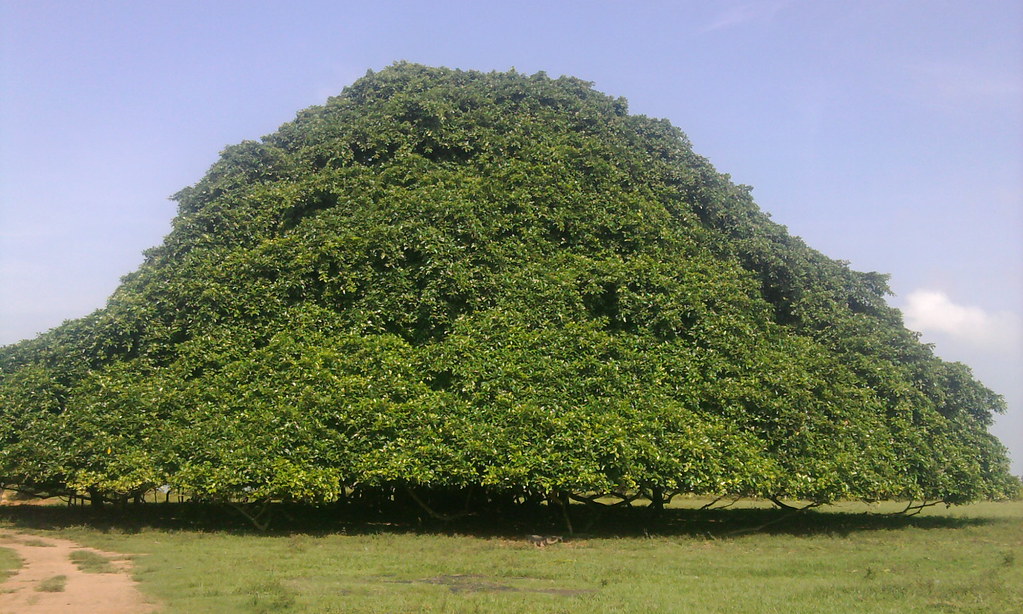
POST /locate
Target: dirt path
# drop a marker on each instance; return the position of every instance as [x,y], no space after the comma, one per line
[45,558]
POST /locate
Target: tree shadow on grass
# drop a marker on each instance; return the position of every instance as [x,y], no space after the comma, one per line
[513,522]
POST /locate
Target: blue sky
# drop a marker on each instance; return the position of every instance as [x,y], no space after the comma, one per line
[889,134]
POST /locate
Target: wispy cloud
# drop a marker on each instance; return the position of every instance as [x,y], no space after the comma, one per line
[745,13]
[932,311]
[960,82]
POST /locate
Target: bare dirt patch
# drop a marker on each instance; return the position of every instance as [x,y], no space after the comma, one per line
[45,558]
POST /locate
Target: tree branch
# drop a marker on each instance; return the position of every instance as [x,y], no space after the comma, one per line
[592,500]
[261,518]
[562,500]
[431,512]
[913,510]
[735,500]
[791,508]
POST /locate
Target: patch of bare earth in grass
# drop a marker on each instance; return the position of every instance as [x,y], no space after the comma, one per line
[35,589]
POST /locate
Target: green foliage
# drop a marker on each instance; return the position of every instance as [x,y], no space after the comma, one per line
[10,562]
[456,280]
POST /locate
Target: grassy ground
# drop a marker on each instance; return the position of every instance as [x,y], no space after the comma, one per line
[967,559]
[91,562]
[56,584]
[9,563]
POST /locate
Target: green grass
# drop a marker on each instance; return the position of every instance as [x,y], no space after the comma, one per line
[967,559]
[56,584]
[9,563]
[38,543]
[92,562]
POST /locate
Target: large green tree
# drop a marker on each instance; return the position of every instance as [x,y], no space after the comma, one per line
[445,280]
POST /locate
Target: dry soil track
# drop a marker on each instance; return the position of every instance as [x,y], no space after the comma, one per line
[44,558]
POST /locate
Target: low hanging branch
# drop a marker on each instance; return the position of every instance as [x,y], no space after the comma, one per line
[792,512]
[592,500]
[710,505]
[433,513]
[259,514]
[792,508]
[913,510]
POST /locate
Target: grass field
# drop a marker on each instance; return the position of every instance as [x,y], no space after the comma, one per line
[9,563]
[967,559]
[91,562]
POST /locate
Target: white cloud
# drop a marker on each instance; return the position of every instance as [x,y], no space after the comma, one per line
[932,311]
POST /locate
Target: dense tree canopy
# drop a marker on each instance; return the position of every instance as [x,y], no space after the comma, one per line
[447,280]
